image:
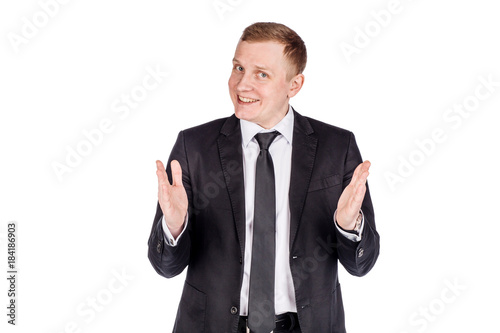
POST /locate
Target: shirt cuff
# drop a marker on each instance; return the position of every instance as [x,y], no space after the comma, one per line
[169,239]
[353,236]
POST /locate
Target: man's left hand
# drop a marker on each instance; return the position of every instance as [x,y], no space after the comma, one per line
[352,197]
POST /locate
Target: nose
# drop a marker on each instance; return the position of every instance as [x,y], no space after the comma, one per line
[244,83]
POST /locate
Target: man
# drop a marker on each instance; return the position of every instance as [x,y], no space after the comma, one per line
[263,204]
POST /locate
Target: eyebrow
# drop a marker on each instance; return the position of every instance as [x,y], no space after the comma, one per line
[262,68]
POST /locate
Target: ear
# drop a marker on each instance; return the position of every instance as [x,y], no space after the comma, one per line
[295,85]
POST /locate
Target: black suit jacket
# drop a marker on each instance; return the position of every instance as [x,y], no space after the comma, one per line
[323,160]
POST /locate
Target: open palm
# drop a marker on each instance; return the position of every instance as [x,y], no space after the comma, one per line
[352,197]
[172,197]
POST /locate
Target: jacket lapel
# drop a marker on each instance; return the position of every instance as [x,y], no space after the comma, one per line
[303,156]
[230,153]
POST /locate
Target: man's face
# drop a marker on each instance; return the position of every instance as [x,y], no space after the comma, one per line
[258,84]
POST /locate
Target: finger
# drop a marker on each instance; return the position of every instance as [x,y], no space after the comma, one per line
[359,188]
[366,171]
[363,172]
[355,175]
[176,173]
[159,165]
[161,173]
[359,194]
[163,183]
[362,178]
[366,165]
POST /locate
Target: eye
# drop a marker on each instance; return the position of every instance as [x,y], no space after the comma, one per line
[238,68]
[263,75]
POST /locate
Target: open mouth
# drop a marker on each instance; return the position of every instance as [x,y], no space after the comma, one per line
[247,100]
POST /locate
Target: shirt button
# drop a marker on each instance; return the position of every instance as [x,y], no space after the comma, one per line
[234,310]
[360,252]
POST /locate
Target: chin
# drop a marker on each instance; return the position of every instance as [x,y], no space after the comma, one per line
[241,114]
[246,113]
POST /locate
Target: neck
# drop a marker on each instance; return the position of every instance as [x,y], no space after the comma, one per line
[275,120]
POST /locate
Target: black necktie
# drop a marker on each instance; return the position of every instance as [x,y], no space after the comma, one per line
[261,295]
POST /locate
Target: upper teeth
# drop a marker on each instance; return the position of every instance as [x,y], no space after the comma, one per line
[247,100]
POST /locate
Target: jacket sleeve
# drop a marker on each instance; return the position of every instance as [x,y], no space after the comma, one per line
[169,261]
[358,258]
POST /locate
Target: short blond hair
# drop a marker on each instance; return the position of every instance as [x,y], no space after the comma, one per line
[295,49]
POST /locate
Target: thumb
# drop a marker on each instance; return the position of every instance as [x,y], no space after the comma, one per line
[176,173]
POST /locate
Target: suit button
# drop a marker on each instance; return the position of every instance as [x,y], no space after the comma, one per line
[234,310]
[360,252]
[158,247]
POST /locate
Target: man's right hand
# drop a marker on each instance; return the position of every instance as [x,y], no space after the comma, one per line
[172,198]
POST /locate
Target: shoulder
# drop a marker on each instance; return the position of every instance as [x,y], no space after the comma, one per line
[325,131]
[213,125]
[207,133]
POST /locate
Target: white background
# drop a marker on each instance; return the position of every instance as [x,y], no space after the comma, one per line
[438,223]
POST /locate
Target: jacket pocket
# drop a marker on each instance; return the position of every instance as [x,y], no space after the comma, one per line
[191,312]
[320,184]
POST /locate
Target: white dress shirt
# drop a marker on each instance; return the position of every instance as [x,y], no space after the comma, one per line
[281,153]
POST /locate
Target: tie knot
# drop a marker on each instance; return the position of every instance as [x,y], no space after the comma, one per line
[265,139]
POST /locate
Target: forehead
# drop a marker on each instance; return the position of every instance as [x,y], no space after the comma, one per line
[261,54]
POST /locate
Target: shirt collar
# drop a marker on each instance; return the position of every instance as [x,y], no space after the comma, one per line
[285,127]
